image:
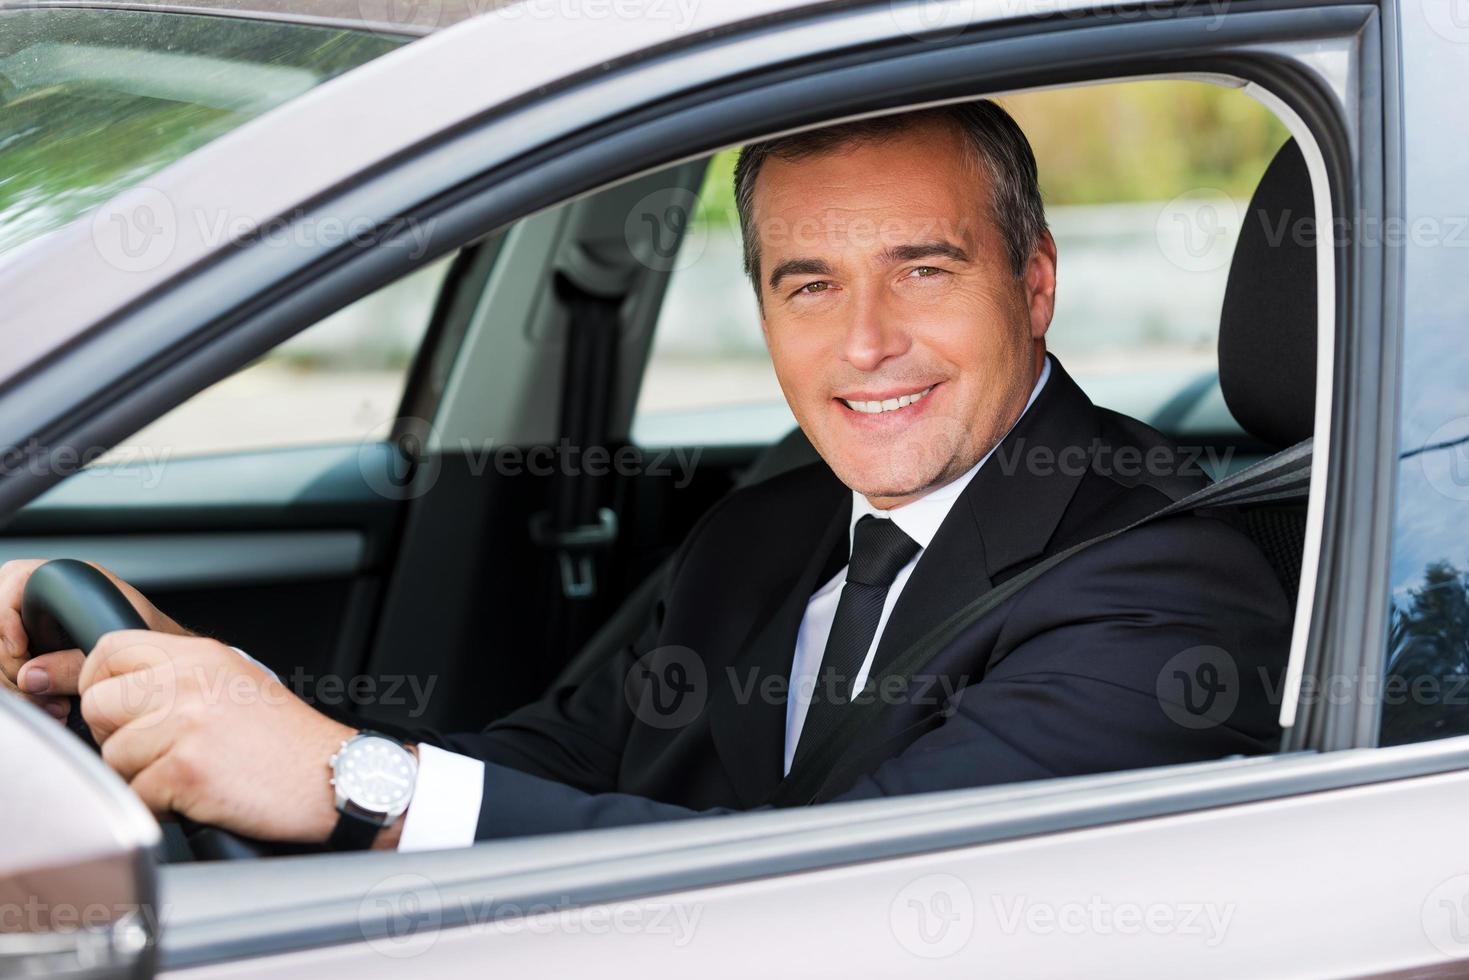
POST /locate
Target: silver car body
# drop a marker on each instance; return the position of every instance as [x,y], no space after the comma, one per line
[1334,858]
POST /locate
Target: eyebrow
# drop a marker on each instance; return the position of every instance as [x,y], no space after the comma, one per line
[936,248]
[897,253]
[798,267]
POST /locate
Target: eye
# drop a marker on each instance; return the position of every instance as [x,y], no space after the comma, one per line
[925,272]
[820,286]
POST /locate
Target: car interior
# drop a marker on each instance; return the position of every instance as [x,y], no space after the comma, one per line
[460,582]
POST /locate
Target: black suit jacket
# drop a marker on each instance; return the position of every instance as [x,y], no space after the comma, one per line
[1162,645]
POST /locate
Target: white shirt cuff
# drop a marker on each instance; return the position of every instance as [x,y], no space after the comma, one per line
[446,801]
[257,663]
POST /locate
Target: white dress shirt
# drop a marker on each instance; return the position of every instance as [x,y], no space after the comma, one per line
[919,520]
[449,790]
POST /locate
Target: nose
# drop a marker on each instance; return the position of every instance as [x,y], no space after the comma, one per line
[873,333]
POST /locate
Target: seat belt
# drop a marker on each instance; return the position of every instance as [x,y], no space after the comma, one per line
[1283,475]
[577,527]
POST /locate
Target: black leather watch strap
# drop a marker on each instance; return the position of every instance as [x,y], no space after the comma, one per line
[352,832]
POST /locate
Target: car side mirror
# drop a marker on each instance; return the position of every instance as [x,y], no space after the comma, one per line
[78,886]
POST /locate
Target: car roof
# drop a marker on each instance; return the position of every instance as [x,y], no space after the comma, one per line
[412,18]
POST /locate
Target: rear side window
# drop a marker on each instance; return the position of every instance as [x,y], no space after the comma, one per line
[339,381]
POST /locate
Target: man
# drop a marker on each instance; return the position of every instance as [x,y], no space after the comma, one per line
[906,280]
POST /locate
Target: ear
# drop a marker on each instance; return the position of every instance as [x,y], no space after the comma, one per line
[1040,285]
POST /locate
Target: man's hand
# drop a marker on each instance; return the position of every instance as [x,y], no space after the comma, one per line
[198,730]
[195,728]
[47,680]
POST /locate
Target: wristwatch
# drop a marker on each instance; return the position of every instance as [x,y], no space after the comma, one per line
[373,776]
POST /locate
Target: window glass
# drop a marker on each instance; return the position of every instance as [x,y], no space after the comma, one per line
[1145,185]
[94,101]
[1426,692]
[340,380]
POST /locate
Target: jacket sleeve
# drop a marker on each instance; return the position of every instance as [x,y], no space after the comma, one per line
[1164,645]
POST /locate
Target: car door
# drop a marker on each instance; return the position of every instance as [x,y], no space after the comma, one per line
[1128,873]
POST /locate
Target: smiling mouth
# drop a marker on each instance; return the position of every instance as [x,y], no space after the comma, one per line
[887,404]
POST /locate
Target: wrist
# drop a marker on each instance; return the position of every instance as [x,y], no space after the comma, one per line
[323,805]
[387,838]
[373,775]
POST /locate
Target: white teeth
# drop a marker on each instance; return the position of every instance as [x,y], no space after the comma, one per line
[887,404]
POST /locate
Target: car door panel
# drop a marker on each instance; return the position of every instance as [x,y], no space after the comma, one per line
[1210,869]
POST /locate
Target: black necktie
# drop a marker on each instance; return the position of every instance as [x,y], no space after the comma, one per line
[880,549]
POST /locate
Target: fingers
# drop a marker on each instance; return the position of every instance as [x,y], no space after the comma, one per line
[49,681]
[124,651]
[140,699]
[159,785]
[49,685]
[13,578]
[139,679]
[126,677]
[14,648]
[137,746]
[52,674]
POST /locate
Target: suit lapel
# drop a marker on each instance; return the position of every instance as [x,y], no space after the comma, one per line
[747,708]
[1006,515]
[1019,496]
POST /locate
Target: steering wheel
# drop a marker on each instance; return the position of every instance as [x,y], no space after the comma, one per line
[69,604]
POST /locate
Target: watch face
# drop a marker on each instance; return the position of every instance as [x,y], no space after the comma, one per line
[376,774]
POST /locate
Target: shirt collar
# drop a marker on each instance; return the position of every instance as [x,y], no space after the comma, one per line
[920,519]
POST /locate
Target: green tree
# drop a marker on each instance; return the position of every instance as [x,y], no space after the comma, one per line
[1428,659]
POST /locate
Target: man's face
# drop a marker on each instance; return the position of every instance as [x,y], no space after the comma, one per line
[900,334]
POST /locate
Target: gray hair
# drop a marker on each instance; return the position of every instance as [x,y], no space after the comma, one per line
[997,143]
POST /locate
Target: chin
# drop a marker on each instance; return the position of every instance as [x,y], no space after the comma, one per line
[878,481]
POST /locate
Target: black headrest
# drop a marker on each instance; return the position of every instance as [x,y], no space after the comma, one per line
[1267,328]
